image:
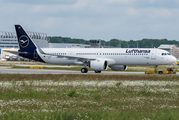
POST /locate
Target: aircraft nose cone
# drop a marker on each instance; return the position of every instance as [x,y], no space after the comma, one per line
[174,60]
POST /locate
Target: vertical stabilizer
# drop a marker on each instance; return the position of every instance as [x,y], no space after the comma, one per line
[26,45]
[24,40]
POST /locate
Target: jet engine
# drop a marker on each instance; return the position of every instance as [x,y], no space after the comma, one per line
[99,65]
[119,67]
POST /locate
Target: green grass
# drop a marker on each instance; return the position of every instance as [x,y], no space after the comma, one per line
[91,115]
[67,97]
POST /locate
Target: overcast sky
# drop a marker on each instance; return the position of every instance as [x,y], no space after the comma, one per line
[94,19]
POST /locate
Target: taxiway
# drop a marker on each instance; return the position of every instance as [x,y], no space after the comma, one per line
[8,70]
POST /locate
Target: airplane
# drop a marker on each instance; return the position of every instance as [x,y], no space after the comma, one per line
[98,59]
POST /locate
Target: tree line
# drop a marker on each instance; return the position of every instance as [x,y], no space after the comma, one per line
[144,43]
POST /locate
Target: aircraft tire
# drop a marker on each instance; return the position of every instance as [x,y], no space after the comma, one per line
[96,71]
[84,70]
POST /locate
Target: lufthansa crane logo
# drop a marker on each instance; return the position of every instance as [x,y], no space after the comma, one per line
[24,41]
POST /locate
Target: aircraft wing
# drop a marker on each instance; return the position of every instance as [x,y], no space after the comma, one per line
[69,57]
[73,57]
[82,59]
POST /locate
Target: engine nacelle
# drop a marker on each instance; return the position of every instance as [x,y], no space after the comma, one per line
[99,65]
[119,67]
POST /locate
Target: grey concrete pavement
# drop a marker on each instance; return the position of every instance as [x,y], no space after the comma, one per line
[8,70]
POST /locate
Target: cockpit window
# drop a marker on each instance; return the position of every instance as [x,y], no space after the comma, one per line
[166,54]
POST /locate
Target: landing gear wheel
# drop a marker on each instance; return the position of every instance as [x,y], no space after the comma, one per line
[84,70]
[96,71]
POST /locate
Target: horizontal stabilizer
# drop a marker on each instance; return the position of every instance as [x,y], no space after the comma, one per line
[15,52]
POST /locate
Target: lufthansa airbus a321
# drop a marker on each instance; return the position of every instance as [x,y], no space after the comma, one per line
[98,59]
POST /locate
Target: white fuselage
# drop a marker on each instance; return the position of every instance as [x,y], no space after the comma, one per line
[114,56]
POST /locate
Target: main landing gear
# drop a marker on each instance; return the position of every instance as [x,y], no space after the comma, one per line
[96,71]
[84,70]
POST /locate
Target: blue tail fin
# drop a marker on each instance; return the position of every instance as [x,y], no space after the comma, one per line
[26,45]
[24,40]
